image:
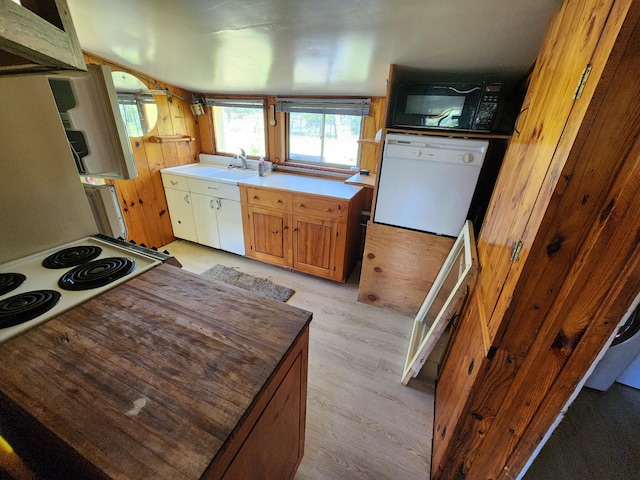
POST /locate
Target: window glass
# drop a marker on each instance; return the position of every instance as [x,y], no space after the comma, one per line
[239,127]
[329,139]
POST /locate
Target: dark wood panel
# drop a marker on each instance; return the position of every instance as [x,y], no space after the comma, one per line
[152,378]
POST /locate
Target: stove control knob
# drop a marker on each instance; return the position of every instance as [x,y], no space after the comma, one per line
[166,252]
[467,157]
[155,249]
[143,245]
[132,241]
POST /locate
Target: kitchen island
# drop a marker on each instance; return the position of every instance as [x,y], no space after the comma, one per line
[169,375]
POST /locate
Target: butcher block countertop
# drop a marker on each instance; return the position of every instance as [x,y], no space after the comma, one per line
[158,378]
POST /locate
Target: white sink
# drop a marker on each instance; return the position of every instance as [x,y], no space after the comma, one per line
[231,176]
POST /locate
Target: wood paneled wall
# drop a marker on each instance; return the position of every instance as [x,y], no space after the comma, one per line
[142,200]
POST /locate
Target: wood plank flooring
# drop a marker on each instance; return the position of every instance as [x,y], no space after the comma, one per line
[361,422]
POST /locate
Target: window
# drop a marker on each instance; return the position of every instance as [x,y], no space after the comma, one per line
[324,138]
[324,131]
[239,124]
[139,113]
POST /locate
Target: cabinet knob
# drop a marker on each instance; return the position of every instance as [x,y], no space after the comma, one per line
[327,210]
[186,198]
[278,201]
[301,205]
[174,182]
[255,197]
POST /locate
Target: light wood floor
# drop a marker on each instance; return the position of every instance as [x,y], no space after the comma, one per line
[362,423]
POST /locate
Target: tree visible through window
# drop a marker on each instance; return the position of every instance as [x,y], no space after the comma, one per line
[239,127]
[324,138]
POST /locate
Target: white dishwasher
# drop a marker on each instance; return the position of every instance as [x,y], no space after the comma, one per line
[426,183]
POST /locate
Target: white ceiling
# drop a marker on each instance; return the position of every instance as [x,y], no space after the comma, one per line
[337,47]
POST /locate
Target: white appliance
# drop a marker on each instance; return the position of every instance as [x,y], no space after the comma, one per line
[88,107]
[426,183]
[32,291]
[621,362]
[106,210]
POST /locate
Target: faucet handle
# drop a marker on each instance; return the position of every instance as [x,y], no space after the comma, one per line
[241,154]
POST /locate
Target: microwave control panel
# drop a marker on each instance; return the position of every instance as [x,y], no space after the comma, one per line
[487,106]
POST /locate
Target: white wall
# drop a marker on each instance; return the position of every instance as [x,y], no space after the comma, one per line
[42,202]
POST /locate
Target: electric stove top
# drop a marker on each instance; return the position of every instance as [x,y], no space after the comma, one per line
[41,286]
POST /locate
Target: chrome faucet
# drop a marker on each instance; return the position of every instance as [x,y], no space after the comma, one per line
[243,158]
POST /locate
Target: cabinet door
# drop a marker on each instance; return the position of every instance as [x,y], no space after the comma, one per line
[230,226]
[538,149]
[314,245]
[269,232]
[205,210]
[179,203]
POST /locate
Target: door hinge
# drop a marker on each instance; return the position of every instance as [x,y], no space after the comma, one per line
[583,81]
[516,251]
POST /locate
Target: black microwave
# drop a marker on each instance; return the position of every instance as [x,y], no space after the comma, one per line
[445,106]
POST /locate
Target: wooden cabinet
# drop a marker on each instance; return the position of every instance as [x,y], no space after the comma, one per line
[557,251]
[315,244]
[38,36]
[275,445]
[309,233]
[217,381]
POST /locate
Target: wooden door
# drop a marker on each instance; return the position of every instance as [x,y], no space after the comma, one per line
[314,245]
[534,158]
[269,231]
[554,304]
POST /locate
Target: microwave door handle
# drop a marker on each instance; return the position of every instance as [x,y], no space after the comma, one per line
[464,92]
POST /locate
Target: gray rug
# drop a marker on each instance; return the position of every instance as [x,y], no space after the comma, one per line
[260,286]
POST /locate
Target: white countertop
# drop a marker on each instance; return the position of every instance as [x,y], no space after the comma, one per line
[303,184]
[215,168]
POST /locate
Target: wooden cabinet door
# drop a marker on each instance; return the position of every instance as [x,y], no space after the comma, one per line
[538,149]
[181,212]
[205,217]
[269,232]
[314,245]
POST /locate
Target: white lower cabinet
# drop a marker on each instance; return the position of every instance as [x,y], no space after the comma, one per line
[205,212]
[230,226]
[181,213]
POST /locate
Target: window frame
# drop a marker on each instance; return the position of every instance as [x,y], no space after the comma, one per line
[321,164]
[241,102]
[355,106]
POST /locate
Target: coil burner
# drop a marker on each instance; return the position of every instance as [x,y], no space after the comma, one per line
[10,281]
[26,306]
[96,273]
[72,256]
